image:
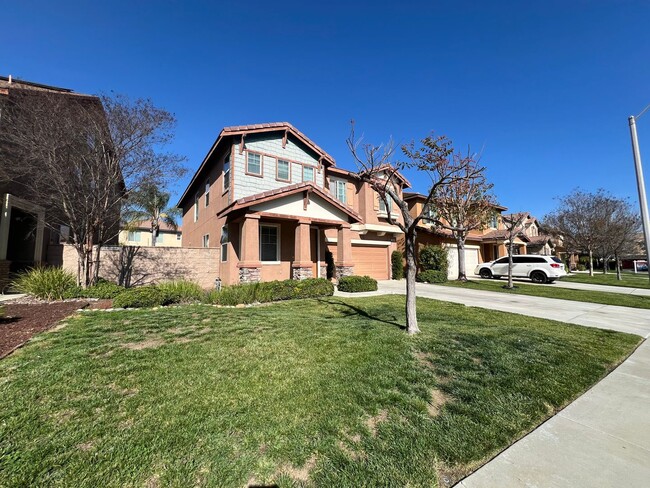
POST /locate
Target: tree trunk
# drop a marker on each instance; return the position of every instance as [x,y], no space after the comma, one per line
[95,278]
[605,264]
[462,273]
[411,311]
[153,236]
[591,263]
[510,284]
[618,267]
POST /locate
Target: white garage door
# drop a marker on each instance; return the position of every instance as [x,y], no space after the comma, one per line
[471,260]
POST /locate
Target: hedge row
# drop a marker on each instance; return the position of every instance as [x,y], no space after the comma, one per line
[352,284]
[432,276]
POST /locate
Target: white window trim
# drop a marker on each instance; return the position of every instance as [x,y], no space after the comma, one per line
[196,207]
[206,196]
[336,183]
[224,245]
[279,248]
[229,173]
[203,243]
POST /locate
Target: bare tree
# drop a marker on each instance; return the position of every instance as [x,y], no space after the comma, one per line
[435,158]
[514,224]
[464,204]
[80,156]
[576,220]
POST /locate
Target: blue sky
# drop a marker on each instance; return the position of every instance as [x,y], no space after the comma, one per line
[544,88]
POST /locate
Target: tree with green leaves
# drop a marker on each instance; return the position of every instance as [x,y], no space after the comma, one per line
[150,204]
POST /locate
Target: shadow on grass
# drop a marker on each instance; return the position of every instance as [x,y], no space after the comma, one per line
[361,312]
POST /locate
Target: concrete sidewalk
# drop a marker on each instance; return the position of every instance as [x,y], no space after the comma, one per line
[602,439]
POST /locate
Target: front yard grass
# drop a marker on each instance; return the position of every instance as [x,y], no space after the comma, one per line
[313,392]
[639,280]
[603,297]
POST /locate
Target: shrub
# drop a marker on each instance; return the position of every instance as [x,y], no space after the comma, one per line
[103,289]
[432,276]
[45,283]
[397,265]
[582,267]
[433,258]
[352,284]
[181,291]
[2,312]
[272,291]
[142,296]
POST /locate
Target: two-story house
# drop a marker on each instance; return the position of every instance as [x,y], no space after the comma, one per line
[278,207]
[481,245]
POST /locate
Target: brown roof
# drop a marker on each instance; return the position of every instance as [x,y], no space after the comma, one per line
[419,196]
[540,239]
[503,234]
[9,82]
[285,191]
[146,224]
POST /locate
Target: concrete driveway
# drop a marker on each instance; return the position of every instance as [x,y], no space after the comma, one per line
[601,440]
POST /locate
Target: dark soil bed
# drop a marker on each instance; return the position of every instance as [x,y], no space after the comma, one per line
[21,321]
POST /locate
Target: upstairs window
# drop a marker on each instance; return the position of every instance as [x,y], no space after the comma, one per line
[179,236]
[339,191]
[493,221]
[254,164]
[430,214]
[196,207]
[226,173]
[283,172]
[382,205]
[134,236]
[207,193]
[206,240]
[308,173]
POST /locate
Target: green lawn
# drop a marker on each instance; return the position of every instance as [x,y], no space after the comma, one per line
[314,392]
[606,298]
[632,280]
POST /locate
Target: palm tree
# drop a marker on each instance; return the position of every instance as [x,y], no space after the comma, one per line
[150,204]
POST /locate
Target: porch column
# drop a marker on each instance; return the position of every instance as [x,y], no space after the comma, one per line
[344,263]
[250,266]
[302,265]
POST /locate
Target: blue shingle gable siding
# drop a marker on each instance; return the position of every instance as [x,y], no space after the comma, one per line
[270,145]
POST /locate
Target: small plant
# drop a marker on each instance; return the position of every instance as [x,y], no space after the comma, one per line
[433,258]
[397,265]
[182,291]
[353,284]
[45,283]
[432,276]
[581,267]
[272,291]
[103,290]
[139,297]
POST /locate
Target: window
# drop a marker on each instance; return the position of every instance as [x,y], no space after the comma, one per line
[308,173]
[159,238]
[207,193]
[502,261]
[226,173]
[339,191]
[382,205]
[493,221]
[430,213]
[254,164]
[134,236]
[269,243]
[283,173]
[206,240]
[224,243]
[179,236]
[196,207]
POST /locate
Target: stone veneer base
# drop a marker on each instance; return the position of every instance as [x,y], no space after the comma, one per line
[342,271]
[302,273]
[249,275]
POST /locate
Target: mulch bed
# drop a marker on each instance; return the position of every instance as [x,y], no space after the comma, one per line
[22,321]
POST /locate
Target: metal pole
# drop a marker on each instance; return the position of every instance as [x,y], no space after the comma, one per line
[643,202]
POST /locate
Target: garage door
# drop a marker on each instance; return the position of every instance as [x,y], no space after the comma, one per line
[471,260]
[371,261]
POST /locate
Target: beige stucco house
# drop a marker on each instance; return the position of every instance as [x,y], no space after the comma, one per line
[278,207]
[139,234]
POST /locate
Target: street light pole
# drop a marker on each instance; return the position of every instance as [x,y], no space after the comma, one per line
[643,202]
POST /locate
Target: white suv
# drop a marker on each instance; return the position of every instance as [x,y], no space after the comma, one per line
[540,269]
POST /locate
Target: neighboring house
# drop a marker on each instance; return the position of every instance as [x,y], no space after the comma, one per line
[277,206]
[24,235]
[139,234]
[540,242]
[481,245]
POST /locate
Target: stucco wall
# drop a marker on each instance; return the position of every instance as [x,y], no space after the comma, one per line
[150,264]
